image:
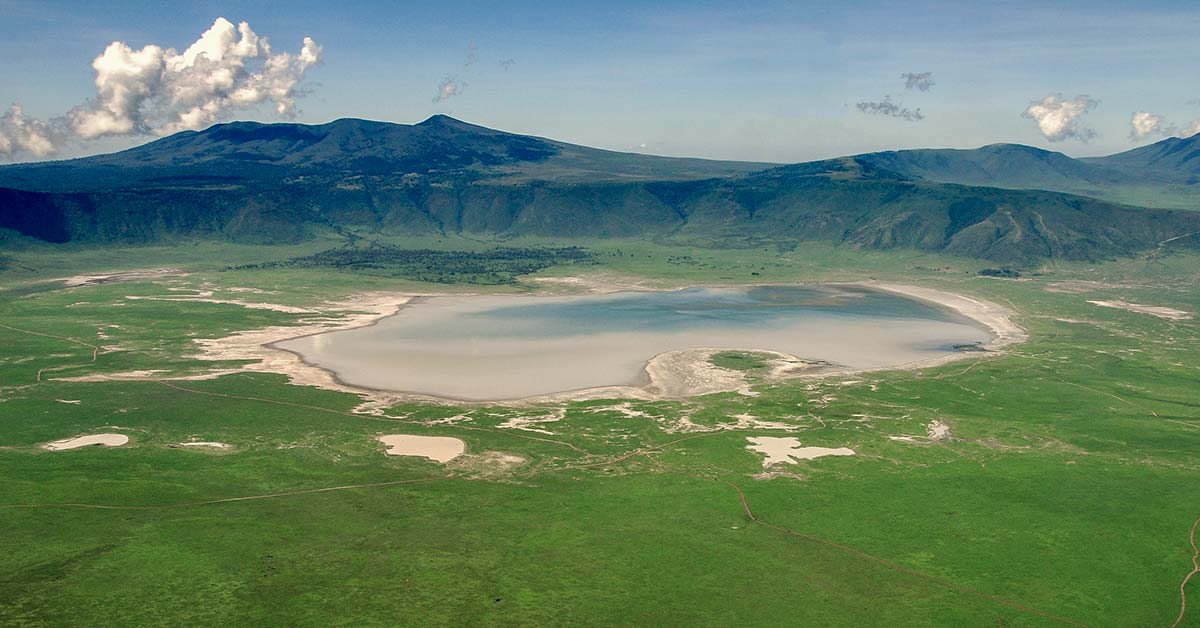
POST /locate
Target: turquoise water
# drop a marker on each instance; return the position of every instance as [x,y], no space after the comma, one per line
[507,347]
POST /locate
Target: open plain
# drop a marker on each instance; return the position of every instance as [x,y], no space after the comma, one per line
[1049,479]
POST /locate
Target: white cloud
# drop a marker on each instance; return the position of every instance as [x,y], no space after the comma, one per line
[161,91]
[1193,128]
[23,135]
[158,91]
[1144,124]
[449,88]
[1058,119]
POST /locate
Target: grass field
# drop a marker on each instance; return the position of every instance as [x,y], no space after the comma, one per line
[1064,497]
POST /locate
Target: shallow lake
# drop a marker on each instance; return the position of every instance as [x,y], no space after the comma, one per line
[509,347]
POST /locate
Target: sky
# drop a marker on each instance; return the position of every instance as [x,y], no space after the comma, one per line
[758,81]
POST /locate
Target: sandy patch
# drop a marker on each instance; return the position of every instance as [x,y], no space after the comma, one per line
[778,475]
[207,444]
[125,275]
[1080,286]
[779,450]
[436,448]
[253,345]
[751,422]
[123,376]
[527,423]
[689,373]
[250,290]
[595,283]
[671,422]
[1168,313]
[206,296]
[936,431]
[73,402]
[107,440]
[488,463]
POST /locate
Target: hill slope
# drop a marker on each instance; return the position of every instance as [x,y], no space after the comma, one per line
[1173,160]
[245,152]
[285,182]
[1165,174]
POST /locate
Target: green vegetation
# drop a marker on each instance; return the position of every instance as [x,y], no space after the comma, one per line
[740,360]
[1065,494]
[1004,272]
[287,184]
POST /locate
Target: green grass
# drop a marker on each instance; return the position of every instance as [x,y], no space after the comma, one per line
[1069,485]
[740,360]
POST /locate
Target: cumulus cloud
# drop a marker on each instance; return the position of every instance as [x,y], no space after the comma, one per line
[449,88]
[158,91]
[886,107]
[920,81]
[1058,118]
[1144,124]
[22,135]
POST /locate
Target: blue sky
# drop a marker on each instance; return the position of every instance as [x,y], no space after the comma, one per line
[755,81]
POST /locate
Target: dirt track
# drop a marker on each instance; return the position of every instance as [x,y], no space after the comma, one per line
[1195,570]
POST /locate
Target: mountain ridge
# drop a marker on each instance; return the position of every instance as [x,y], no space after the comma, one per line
[285,182]
[439,144]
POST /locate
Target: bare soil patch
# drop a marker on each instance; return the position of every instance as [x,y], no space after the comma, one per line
[436,448]
[1168,313]
[106,440]
[205,444]
[124,275]
[780,450]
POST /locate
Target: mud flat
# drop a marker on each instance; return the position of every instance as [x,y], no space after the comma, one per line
[436,448]
[106,440]
[690,372]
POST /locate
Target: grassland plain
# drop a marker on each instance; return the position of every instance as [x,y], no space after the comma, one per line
[1064,496]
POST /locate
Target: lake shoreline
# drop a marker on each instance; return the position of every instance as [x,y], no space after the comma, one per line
[670,375]
[673,374]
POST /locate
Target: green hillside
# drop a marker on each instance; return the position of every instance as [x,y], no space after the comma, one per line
[288,183]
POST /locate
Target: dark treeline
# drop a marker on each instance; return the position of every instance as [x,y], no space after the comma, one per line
[1005,272]
[490,267]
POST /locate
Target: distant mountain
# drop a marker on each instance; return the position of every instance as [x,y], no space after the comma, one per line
[1173,160]
[1165,174]
[286,182]
[443,147]
[997,165]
